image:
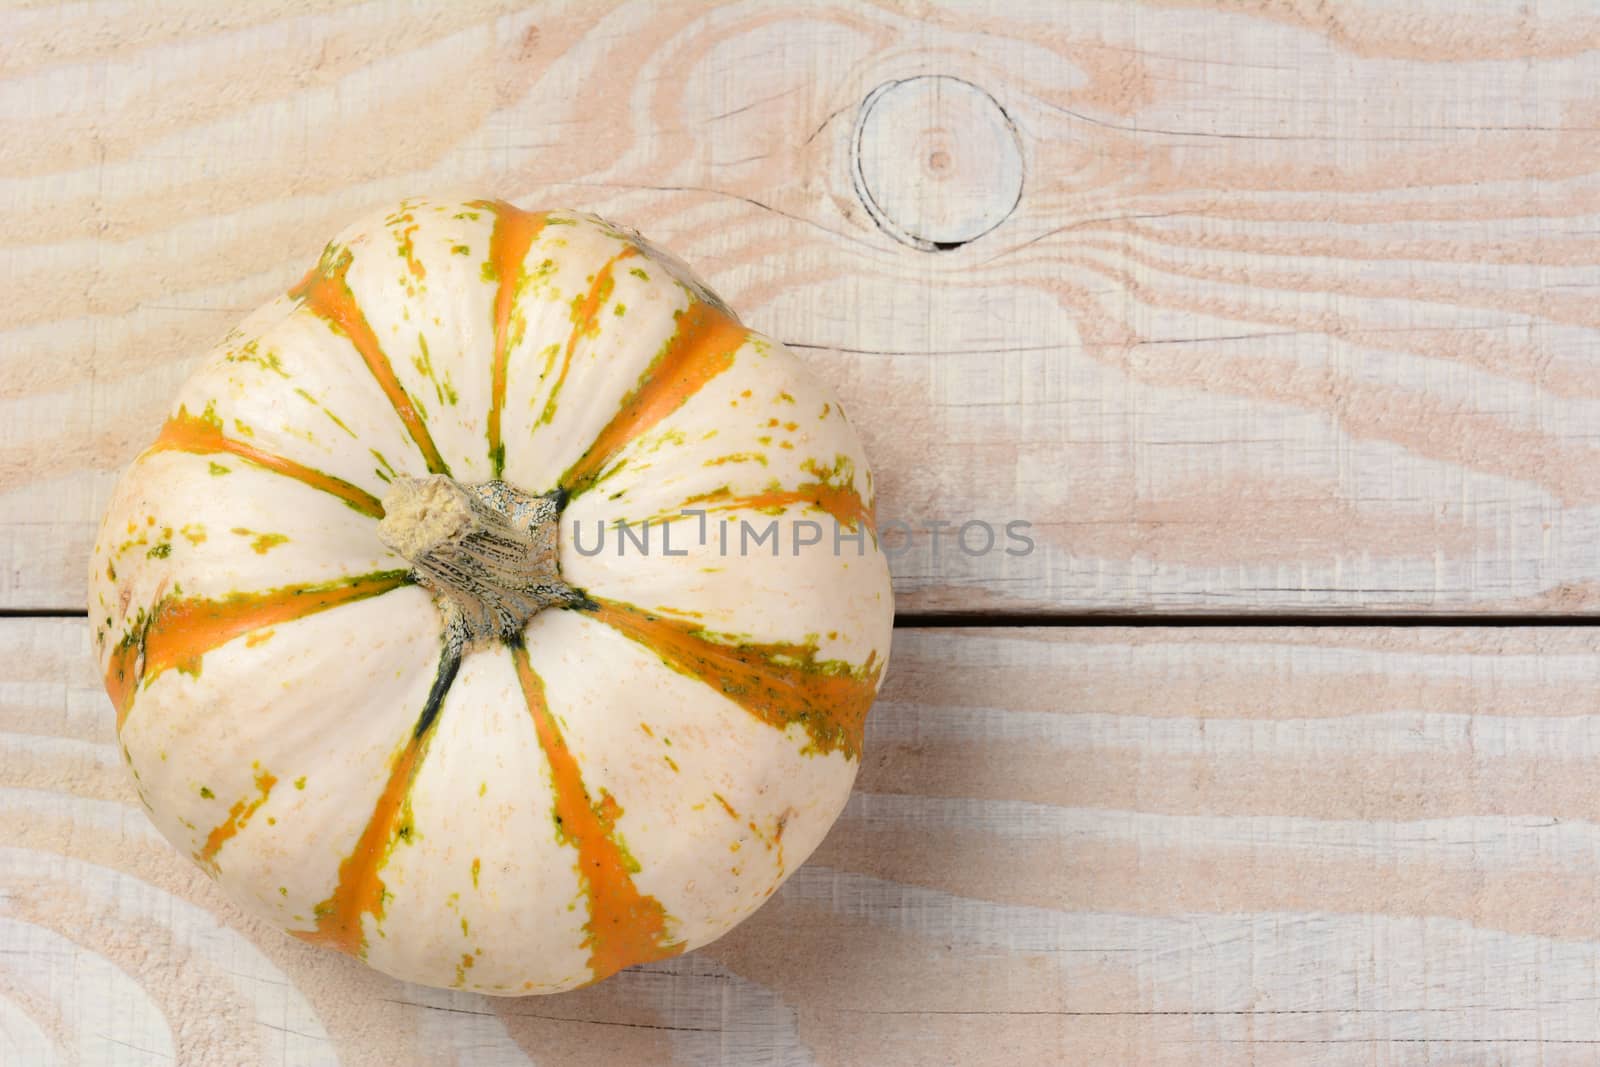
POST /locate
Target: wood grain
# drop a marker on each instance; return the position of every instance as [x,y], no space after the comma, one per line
[1155,846]
[1295,312]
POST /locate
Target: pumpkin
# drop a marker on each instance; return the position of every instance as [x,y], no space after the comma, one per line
[369,668]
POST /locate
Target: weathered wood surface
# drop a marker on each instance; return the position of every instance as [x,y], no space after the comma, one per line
[1147,846]
[1247,307]
[1250,307]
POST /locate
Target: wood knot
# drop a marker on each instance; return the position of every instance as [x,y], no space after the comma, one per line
[936,160]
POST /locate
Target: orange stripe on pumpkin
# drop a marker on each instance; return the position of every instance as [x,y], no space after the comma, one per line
[184,432]
[359,890]
[840,501]
[625,927]
[238,817]
[782,684]
[179,632]
[585,322]
[702,348]
[326,291]
[514,233]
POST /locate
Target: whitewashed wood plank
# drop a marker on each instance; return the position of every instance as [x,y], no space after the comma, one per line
[1165,846]
[1295,309]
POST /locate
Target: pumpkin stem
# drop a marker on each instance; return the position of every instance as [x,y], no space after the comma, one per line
[488,552]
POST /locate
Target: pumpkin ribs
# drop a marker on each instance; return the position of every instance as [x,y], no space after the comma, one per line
[625,927]
[360,890]
[702,348]
[201,436]
[325,290]
[177,632]
[514,232]
[782,684]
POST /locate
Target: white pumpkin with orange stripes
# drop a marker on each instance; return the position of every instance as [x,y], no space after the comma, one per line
[370,669]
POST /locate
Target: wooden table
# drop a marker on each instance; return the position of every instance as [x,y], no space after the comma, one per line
[1280,324]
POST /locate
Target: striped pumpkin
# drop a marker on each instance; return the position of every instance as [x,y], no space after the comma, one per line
[369,669]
